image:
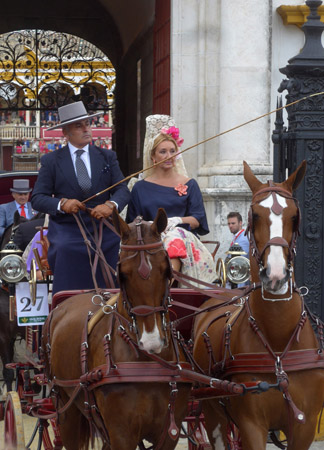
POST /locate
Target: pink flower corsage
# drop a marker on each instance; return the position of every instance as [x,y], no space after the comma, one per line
[181,189]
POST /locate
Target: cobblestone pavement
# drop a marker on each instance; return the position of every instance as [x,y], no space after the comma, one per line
[29,423]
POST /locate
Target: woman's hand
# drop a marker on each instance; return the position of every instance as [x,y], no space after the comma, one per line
[172,223]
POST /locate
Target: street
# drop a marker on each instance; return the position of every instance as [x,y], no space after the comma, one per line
[29,423]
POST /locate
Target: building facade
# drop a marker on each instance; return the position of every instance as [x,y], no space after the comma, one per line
[211,64]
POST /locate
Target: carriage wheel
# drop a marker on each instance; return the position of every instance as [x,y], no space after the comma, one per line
[221,272]
[13,426]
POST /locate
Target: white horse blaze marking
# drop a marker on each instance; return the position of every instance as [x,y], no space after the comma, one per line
[152,341]
[217,435]
[276,258]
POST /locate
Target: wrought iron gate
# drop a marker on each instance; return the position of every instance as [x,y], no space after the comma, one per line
[42,70]
[304,139]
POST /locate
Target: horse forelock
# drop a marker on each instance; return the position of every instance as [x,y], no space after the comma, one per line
[144,279]
[274,226]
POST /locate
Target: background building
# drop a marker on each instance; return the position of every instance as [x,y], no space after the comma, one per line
[212,64]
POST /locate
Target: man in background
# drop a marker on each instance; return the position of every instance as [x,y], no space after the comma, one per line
[235,224]
[20,192]
[239,239]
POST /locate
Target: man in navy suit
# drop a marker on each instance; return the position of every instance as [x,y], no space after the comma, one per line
[60,189]
[20,192]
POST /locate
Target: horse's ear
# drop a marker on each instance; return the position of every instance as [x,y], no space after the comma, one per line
[294,180]
[17,218]
[160,221]
[250,178]
[120,225]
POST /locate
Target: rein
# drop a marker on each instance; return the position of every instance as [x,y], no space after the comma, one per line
[93,243]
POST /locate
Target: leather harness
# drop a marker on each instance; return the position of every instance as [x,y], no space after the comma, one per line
[155,370]
[278,363]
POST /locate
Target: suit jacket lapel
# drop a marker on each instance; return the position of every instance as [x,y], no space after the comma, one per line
[30,211]
[11,209]
[97,164]
[65,164]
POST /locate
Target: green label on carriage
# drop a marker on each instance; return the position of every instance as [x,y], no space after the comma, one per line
[31,320]
[27,313]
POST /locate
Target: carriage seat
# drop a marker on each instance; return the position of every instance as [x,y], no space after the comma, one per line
[216,243]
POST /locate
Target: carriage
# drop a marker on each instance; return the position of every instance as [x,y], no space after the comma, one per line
[164,376]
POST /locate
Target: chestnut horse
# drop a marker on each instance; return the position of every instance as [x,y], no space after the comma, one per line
[266,334]
[125,342]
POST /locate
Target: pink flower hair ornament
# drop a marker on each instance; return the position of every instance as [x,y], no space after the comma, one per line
[173,132]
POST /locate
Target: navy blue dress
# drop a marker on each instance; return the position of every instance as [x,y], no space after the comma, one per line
[147,198]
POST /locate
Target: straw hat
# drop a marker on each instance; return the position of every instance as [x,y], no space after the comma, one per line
[73,112]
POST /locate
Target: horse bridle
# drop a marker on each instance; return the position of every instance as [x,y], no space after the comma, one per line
[276,209]
[144,270]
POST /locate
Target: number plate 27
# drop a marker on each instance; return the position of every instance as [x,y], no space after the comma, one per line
[27,313]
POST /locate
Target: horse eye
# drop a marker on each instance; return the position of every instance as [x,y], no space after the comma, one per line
[255,216]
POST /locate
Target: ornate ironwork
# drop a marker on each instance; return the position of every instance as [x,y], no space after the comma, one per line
[304,139]
[42,70]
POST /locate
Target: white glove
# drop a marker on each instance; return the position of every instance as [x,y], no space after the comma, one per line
[172,223]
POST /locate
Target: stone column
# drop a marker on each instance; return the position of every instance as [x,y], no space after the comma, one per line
[220,77]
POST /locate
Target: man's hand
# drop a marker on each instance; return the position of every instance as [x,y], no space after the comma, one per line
[71,206]
[102,211]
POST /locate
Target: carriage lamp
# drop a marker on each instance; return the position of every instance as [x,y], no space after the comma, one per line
[238,269]
[236,265]
[12,268]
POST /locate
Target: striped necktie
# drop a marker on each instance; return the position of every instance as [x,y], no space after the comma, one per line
[82,173]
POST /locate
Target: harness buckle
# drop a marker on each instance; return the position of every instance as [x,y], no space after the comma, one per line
[101,303]
[111,307]
[278,365]
[303,291]
[173,386]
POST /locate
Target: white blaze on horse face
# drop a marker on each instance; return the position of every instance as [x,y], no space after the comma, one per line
[217,435]
[276,261]
[151,342]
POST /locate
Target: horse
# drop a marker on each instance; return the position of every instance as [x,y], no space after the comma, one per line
[9,329]
[265,334]
[128,405]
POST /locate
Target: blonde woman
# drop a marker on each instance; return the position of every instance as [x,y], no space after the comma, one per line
[168,186]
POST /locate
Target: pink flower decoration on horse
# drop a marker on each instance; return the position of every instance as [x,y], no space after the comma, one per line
[181,189]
